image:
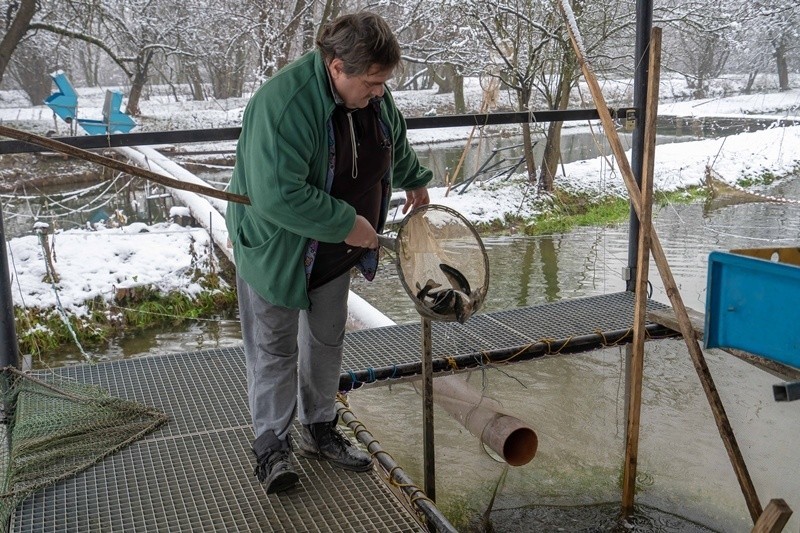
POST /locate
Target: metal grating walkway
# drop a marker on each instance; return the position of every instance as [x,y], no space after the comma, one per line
[195,472]
[566,326]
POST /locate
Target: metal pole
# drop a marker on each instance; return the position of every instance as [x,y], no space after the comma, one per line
[429,456]
[9,350]
[644,25]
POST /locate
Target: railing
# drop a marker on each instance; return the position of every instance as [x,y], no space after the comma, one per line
[88,142]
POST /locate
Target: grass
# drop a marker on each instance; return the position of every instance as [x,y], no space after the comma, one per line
[44,332]
[564,211]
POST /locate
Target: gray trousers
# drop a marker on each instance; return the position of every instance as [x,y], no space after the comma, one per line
[293,356]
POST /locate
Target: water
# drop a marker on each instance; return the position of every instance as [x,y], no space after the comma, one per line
[495,156]
[576,402]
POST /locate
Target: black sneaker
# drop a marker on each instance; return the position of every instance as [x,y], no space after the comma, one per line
[273,462]
[324,441]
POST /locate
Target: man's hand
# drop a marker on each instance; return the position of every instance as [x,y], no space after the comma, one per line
[416,198]
[362,235]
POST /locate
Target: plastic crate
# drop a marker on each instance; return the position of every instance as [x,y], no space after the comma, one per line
[753,302]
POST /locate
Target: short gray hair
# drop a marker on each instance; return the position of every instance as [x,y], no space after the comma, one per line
[360,40]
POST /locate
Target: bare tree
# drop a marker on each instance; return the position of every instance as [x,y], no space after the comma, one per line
[19,15]
[33,60]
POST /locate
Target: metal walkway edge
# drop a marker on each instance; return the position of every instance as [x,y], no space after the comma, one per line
[195,472]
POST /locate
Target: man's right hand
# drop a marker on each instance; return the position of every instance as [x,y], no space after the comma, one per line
[362,235]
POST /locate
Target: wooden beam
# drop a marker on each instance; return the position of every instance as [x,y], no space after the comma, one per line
[774,517]
[642,273]
[80,153]
[698,359]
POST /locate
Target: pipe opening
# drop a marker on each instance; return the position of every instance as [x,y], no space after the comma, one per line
[520,446]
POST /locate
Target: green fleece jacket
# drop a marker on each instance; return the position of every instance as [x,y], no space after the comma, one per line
[282,164]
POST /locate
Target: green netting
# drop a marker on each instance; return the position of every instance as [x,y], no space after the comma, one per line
[56,427]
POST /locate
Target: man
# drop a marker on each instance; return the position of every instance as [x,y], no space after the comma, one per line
[321,148]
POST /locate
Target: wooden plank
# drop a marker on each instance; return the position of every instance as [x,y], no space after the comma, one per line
[774,517]
[667,318]
[695,352]
[642,280]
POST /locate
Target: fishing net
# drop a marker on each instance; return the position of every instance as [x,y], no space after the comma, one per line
[441,263]
[56,427]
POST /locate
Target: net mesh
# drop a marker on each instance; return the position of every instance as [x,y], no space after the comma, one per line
[56,427]
[442,263]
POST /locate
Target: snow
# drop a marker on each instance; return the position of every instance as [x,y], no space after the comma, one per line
[93,264]
[97,263]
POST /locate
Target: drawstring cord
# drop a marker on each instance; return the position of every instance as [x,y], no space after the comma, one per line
[354,169]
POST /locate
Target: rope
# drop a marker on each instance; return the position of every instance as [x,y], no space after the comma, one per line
[412,491]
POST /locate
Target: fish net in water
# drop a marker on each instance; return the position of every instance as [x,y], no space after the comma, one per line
[442,263]
[56,427]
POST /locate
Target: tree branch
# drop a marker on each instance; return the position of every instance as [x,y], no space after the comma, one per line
[66,32]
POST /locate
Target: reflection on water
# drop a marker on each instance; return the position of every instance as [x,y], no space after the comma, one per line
[576,402]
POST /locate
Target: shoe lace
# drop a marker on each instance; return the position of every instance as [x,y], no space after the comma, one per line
[265,465]
[338,439]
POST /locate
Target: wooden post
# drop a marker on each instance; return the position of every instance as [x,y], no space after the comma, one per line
[774,517]
[642,272]
[698,359]
[428,453]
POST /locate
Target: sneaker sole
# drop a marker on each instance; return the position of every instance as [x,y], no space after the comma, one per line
[320,457]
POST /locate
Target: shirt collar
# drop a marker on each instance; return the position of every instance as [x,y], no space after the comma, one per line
[336,98]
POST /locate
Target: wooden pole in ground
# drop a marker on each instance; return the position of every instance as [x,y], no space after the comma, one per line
[698,359]
[642,272]
[86,155]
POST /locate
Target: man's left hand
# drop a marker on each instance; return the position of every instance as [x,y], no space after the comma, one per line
[416,198]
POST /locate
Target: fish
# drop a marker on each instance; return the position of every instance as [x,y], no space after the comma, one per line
[443,301]
[422,292]
[457,280]
[458,300]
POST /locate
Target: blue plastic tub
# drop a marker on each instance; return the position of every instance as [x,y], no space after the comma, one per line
[753,302]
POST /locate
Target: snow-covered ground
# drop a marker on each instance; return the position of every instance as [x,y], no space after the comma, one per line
[96,263]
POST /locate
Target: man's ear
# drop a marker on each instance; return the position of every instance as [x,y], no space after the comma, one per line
[336,67]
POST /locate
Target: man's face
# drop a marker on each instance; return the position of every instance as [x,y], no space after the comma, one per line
[358,90]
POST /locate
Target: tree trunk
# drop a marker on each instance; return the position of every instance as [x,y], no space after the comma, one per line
[445,81]
[552,147]
[527,146]
[751,79]
[290,32]
[196,82]
[458,93]
[523,97]
[16,31]
[137,85]
[783,66]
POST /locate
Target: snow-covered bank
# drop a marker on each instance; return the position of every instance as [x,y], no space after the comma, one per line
[92,264]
